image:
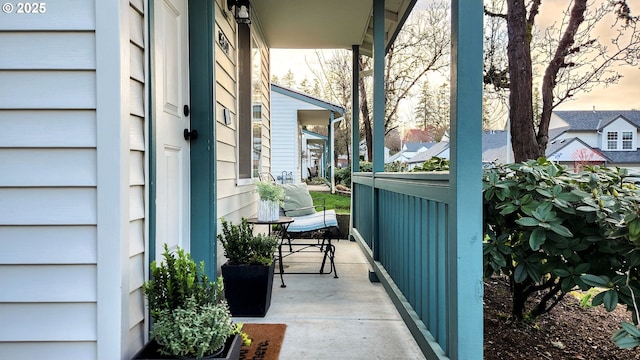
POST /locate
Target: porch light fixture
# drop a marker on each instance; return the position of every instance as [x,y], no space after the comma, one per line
[242,13]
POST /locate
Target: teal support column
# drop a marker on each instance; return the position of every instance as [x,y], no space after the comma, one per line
[378,115]
[464,255]
[355,110]
[203,150]
[355,126]
[324,159]
[378,85]
[330,150]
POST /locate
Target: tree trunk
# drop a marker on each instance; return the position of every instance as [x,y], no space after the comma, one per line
[523,137]
[366,118]
[519,296]
[549,80]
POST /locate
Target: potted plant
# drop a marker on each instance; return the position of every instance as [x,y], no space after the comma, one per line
[191,319]
[248,273]
[271,196]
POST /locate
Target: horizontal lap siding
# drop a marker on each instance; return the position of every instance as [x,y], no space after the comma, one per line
[48,216]
[234,201]
[47,128]
[284,132]
[53,350]
[137,324]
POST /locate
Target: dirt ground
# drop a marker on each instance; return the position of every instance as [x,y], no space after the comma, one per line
[569,331]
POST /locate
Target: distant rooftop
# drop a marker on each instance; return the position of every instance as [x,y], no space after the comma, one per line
[595,120]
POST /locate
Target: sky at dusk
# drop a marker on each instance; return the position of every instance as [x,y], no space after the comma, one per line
[624,95]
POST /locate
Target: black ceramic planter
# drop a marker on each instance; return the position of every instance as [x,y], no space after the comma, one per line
[247,289]
[231,351]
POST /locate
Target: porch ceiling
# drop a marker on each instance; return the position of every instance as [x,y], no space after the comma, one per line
[314,117]
[327,24]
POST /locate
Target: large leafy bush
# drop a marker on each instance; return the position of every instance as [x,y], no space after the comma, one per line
[551,231]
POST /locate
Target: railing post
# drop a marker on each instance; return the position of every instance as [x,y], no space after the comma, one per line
[464,254]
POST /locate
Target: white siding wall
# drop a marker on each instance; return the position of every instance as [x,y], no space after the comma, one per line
[136,325]
[619,126]
[235,201]
[576,152]
[287,145]
[556,122]
[590,138]
[56,277]
[48,183]
[285,132]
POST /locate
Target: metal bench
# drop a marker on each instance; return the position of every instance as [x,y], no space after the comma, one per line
[311,231]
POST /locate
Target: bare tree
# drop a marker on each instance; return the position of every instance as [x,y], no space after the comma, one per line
[332,81]
[432,112]
[573,58]
[422,47]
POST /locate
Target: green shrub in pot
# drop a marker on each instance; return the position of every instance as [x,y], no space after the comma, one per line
[190,316]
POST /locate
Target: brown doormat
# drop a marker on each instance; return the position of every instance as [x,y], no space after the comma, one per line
[266,340]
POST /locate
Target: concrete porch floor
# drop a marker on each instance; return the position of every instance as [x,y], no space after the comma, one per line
[344,318]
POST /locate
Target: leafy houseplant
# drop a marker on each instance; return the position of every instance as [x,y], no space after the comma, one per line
[191,319]
[248,273]
[271,196]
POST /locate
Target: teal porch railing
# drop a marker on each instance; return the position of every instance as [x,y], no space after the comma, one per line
[406,243]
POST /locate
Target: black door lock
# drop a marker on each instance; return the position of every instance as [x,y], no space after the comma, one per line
[190,135]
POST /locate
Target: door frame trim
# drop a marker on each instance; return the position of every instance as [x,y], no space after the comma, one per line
[203,118]
[203,150]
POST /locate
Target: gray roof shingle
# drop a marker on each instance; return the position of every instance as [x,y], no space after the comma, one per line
[595,120]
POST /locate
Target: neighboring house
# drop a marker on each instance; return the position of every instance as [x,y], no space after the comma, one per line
[440,149]
[495,144]
[314,147]
[343,161]
[100,102]
[419,136]
[365,155]
[595,137]
[409,150]
[577,138]
[291,110]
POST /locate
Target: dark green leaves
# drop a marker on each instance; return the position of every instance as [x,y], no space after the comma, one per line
[545,226]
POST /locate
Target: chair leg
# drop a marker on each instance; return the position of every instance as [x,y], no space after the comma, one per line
[330,252]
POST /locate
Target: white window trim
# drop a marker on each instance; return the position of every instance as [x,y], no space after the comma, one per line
[619,140]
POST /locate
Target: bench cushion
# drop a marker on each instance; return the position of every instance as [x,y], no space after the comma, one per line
[315,221]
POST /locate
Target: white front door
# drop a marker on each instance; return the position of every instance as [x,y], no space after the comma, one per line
[170,82]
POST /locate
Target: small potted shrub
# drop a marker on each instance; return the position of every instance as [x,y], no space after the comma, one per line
[248,273]
[271,196]
[191,319]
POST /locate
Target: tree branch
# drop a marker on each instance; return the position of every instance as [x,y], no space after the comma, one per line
[493,14]
[533,12]
[550,76]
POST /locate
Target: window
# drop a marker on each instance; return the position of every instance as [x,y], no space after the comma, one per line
[249,105]
[627,140]
[256,106]
[620,140]
[612,140]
